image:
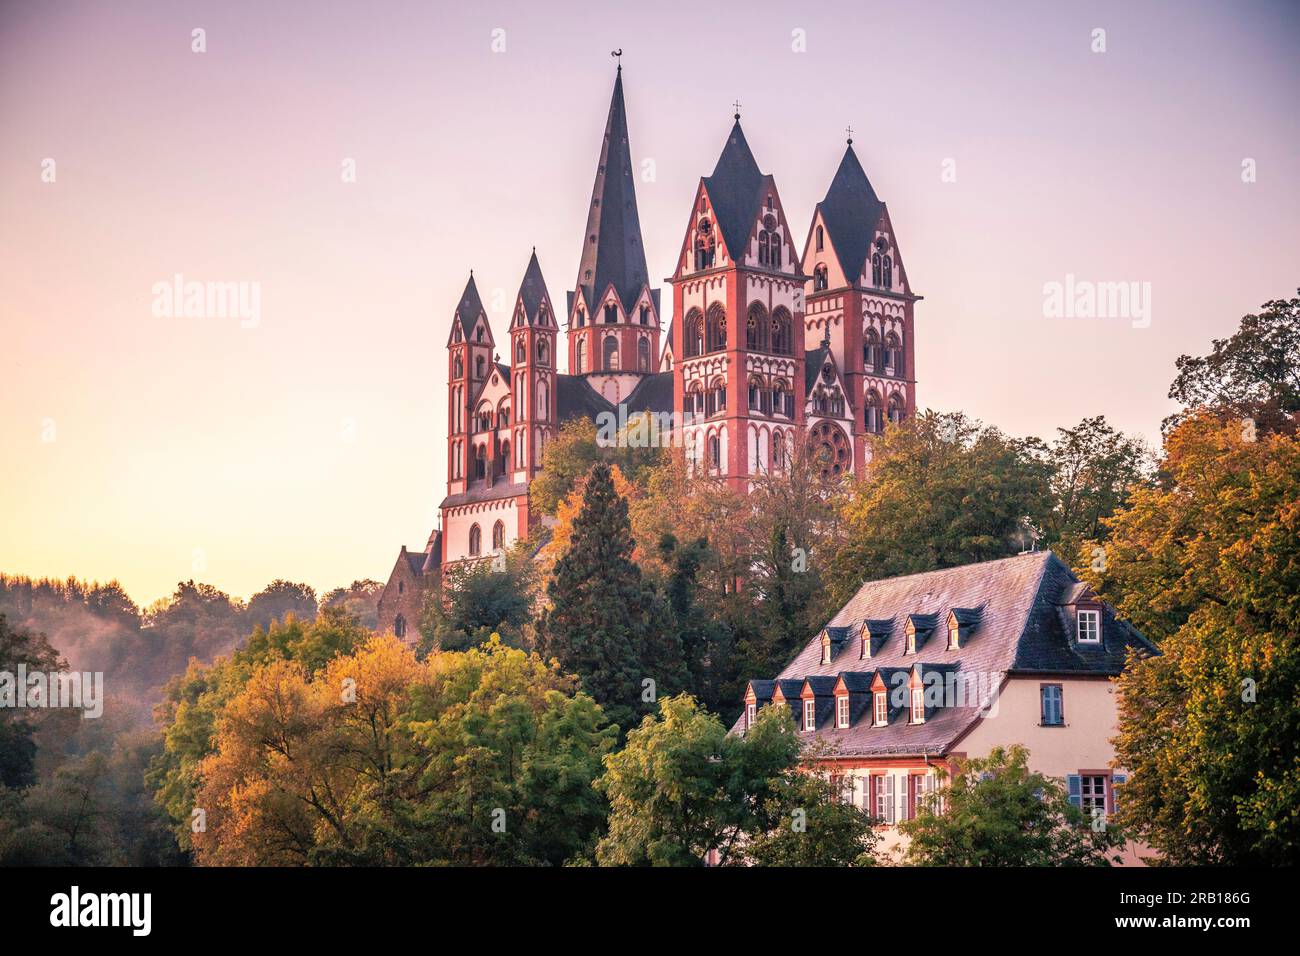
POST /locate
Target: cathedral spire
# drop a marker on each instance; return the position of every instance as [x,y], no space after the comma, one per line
[612,250]
[851,210]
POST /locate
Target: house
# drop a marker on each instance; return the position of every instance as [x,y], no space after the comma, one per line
[919,670]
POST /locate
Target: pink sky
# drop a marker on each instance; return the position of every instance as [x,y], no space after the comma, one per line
[312,446]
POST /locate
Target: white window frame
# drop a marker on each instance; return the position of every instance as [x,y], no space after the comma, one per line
[1094,619]
[751,711]
[842,711]
[880,704]
[918,697]
[809,715]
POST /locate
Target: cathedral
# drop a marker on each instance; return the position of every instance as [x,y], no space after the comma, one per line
[769,344]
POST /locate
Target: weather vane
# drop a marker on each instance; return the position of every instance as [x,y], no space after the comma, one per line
[618,55]
[849,130]
[737,106]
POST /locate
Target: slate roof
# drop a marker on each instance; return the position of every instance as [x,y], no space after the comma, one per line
[575,398]
[482,491]
[736,190]
[470,308]
[533,289]
[1023,627]
[813,360]
[851,211]
[617,255]
[653,393]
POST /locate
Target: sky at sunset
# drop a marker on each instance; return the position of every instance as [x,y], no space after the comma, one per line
[310,445]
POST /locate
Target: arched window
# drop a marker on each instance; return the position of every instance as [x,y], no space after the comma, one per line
[896,408]
[893,355]
[705,245]
[782,342]
[580,357]
[715,452]
[871,350]
[695,399]
[611,314]
[875,270]
[480,461]
[694,332]
[498,536]
[478,334]
[783,400]
[821,278]
[716,400]
[503,415]
[716,330]
[503,460]
[645,315]
[821,239]
[643,354]
[543,404]
[872,419]
[458,367]
[762,247]
[521,351]
[887,273]
[578,319]
[485,417]
[609,360]
[778,450]
[455,464]
[399,626]
[478,367]
[475,540]
[543,352]
[756,328]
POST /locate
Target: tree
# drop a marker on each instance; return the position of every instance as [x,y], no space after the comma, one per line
[1253,375]
[996,812]
[940,490]
[683,786]
[570,455]
[1207,564]
[1094,467]
[605,624]
[20,647]
[278,599]
[475,600]
[360,599]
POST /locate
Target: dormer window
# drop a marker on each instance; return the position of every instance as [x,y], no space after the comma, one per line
[880,706]
[809,715]
[1090,627]
[954,635]
[478,334]
[826,648]
[611,314]
[918,705]
[751,710]
[842,711]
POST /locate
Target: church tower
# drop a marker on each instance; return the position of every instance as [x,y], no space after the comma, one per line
[469,360]
[532,372]
[738,348]
[861,305]
[613,313]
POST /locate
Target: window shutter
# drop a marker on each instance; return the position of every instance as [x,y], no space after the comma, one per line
[874,791]
[890,808]
[1116,782]
[1075,789]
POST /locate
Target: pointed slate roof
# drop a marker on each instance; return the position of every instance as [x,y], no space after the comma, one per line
[851,210]
[470,308]
[735,189]
[533,289]
[617,254]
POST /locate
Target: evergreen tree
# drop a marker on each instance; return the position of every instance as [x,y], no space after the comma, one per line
[605,623]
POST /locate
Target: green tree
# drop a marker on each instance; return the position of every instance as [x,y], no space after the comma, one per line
[1094,468]
[1254,374]
[360,599]
[1207,564]
[996,812]
[20,647]
[280,598]
[605,623]
[941,490]
[477,599]
[570,455]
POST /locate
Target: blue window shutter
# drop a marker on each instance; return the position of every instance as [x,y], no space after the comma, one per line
[1074,785]
[1116,781]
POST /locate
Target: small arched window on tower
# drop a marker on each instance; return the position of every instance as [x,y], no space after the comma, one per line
[498,536]
[458,367]
[543,401]
[896,408]
[771,238]
[475,541]
[715,452]
[705,245]
[695,399]
[872,416]
[756,328]
[543,352]
[503,458]
[485,417]
[693,330]
[503,415]
[480,462]
[578,319]
[782,341]
[609,357]
[716,330]
[871,350]
[821,239]
[821,278]
[875,270]
[580,357]
[521,352]
[716,401]
[645,315]
[643,354]
[478,334]
[893,355]
[611,314]
[887,273]
[478,366]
